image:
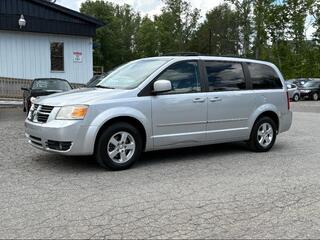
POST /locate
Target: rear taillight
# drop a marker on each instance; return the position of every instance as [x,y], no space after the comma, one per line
[288,100]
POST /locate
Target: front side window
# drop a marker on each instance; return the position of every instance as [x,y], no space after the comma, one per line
[263,77]
[184,77]
[57,56]
[225,76]
[130,75]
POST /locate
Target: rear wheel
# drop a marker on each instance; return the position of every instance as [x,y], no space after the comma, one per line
[296,97]
[315,96]
[119,147]
[263,135]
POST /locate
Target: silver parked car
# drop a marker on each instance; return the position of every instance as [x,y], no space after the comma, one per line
[294,92]
[162,103]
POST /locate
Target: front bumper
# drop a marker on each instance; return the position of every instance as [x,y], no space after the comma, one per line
[305,95]
[67,137]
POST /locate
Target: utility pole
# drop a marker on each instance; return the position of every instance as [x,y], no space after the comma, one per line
[210,40]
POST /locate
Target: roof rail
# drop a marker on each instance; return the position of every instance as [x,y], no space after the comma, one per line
[182,54]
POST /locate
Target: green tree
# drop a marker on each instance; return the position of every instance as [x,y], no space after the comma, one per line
[146,39]
[261,10]
[115,41]
[219,33]
[176,24]
[244,16]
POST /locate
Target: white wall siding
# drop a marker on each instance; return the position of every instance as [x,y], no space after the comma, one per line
[27,56]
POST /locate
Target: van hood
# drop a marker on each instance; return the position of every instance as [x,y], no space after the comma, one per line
[80,96]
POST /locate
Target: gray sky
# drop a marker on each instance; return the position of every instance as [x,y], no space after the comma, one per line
[149,7]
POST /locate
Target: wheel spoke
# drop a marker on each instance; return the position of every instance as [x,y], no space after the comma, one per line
[114,141]
[261,140]
[264,127]
[123,156]
[269,131]
[130,146]
[124,137]
[113,153]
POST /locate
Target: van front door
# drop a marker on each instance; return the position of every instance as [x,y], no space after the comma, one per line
[179,116]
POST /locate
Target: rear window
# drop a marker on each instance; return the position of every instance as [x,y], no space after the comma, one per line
[225,76]
[264,77]
[50,84]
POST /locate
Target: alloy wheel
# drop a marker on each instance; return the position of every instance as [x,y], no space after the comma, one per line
[121,147]
[265,134]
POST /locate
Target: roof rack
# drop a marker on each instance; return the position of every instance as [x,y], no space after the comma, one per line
[182,54]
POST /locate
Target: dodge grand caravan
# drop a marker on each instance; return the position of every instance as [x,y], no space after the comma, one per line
[161,103]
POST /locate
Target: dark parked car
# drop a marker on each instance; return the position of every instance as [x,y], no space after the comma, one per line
[95,80]
[43,87]
[310,90]
[299,81]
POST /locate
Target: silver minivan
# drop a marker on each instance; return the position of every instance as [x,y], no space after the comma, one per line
[162,103]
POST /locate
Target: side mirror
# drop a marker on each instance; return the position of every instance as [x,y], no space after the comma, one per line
[162,86]
[25,89]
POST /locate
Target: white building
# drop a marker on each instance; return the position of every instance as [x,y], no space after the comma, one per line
[39,39]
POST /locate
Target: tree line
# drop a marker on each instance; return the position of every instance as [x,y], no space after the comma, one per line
[271,30]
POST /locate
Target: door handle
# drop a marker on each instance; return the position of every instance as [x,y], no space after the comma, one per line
[198,100]
[215,99]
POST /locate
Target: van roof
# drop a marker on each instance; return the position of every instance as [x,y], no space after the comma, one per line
[217,58]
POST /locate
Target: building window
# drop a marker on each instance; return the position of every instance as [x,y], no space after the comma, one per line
[57,56]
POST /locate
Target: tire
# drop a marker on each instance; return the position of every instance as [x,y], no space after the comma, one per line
[296,97]
[315,96]
[258,132]
[118,147]
[24,106]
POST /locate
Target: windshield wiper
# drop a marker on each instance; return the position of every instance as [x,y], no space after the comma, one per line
[99,86]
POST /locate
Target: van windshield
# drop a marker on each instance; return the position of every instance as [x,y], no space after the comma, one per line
[130,75]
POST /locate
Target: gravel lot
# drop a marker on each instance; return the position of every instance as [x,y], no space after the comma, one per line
[220,191]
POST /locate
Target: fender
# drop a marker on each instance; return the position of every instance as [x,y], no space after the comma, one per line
[263,108]
[115,112]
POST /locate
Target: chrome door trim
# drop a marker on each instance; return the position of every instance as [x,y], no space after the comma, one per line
[201,132]
[228,120]
[181,124]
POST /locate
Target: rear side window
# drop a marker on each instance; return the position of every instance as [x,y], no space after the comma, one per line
[264,77]
[225,76]
[184,77]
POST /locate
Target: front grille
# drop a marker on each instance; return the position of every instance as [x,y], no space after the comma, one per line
[60,146]
[40,113]
[46,109]
[43,118]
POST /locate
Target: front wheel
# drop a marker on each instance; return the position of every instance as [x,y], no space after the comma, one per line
[263,135]
[296,97]
[119,147]
[315,96]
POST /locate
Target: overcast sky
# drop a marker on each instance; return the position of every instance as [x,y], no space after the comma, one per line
[152,7]
[149,7]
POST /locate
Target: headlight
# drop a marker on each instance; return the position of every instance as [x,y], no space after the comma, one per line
[305,91]
[76,112]
[32,99]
